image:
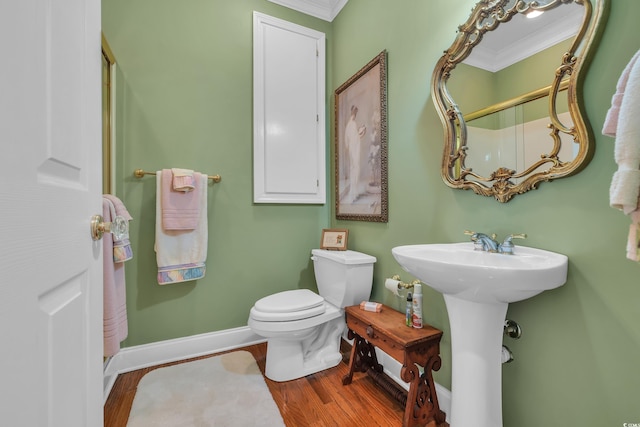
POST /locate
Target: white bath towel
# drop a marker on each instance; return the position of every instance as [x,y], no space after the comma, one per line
[611,121]
[625,185]
[181,254]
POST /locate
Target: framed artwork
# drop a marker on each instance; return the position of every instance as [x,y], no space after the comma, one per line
[361,144]
[334,238]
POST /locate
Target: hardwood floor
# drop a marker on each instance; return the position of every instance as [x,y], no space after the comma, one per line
[318,400]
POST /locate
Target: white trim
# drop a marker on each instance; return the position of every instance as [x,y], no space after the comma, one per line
[289,155]
[323,9]
[142,356]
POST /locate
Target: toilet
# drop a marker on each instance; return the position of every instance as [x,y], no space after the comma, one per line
[303,329]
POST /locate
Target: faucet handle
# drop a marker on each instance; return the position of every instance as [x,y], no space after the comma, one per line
[515,236]
[478,245]
[507,246]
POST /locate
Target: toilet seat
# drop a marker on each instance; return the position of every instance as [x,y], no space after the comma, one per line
[288,305]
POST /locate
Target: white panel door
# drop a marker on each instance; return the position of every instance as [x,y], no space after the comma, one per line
[50,185]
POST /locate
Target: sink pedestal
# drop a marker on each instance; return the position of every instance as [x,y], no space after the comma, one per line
[476,365]
[478,287]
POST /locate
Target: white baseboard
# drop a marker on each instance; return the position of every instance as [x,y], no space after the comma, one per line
[142,356]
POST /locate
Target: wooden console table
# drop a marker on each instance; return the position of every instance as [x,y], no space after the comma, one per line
[409,346]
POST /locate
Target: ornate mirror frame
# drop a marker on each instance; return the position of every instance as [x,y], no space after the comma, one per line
[486,16]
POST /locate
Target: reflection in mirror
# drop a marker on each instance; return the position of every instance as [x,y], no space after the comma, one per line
[508,94]
[514,134]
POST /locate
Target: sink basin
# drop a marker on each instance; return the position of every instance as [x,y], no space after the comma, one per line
[478,287]
[457,269]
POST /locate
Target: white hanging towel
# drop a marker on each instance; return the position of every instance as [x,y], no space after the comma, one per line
[625,184]
[623,124]
[181,254]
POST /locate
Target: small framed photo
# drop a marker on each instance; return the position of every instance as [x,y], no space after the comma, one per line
[334,239]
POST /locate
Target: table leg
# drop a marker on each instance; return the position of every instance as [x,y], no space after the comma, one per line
[352,358]
[363,357]
[422,400]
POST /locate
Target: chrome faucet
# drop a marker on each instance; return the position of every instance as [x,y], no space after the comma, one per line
[486,243]
[483,242]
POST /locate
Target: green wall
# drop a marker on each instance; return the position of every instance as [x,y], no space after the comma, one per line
[577,361]
[186,101]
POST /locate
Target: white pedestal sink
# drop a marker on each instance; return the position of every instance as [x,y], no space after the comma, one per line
[478,287]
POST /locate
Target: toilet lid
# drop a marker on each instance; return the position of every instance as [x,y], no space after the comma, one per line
[288,305]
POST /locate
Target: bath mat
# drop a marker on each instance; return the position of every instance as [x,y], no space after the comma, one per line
[221,391]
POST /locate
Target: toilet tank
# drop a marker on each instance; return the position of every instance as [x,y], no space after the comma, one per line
[344,278]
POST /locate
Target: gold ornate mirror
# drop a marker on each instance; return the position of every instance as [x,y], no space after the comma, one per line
[508,92]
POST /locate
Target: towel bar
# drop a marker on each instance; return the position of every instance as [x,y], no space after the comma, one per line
[139,173]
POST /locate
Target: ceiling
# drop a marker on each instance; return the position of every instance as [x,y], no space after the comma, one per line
[323,9]
[522,37]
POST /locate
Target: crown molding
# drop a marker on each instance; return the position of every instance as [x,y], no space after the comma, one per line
[323,9]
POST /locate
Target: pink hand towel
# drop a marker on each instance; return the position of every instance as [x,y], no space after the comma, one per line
[115,328]
[122,250]
[180,209]
[119,206]
[183,179]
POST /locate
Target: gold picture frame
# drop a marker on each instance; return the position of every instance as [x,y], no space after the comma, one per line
[334,239]
[361,185]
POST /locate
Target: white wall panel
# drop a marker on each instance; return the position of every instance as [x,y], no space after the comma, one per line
[289,119]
